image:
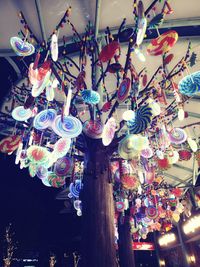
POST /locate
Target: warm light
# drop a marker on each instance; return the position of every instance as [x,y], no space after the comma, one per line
[139,54]
[192,144]
[128,115]
[162,263]
[191,225]
[181,114]
[166,239]
[192,259]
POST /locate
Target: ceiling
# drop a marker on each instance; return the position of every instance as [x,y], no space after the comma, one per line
[43,15]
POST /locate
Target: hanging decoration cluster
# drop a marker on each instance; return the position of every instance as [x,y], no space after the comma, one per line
[49,131]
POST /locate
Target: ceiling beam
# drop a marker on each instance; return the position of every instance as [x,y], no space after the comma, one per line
[175,178]
[194,115]
[41,21]
[101,33]
[97,18]
[166,24]
[183,168]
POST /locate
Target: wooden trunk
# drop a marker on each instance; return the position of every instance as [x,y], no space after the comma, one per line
[7,262]
[126,253]
[98,248]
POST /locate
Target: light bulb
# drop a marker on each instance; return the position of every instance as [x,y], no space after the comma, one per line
[128,115]
[192,144]
[181,114]
[139,54]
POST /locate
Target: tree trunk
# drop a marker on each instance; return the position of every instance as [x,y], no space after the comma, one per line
[7,262]
[98,248]
[126,253]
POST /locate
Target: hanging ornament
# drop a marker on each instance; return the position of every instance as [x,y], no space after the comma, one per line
[68,102]
[141,24]
[21,48]
[163,43]
[54,47]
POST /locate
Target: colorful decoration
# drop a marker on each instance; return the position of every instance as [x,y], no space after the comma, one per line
[44,119]
[55,117]
[55,181]
[185,154]
[75,189]
[21,48]
[93,129]
[21,114]
[63,166]
[90,97]
[108,51]
[190,85]
[130,181]
[123,91]
[126,148]
[54,47]
[42,172]
[177,136]
[141,24]
[69,127]
[61,147]
[38,155]
[10,144]
[163,43]
[109,131]
[142,119]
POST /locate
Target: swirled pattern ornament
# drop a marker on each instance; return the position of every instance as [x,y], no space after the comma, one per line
[44,119]
[21,114]
[190,85]
[38,155]
[69,127]
[61,147]
[41,172]
[75,188]
[93,129]
[143,117]
[55,181]
[21,48]
[163,43]
[177,136]
[123,91]
[109,131]
[90,97]
[63,166]
[151,212]
[10,144]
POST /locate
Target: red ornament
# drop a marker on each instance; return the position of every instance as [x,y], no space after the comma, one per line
[177,192]
[108,51]
[144,80]
[168,59]
[163,164]
[107,106]
[185,154]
